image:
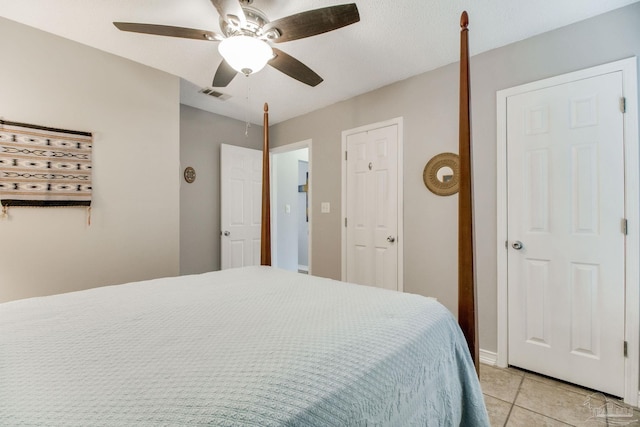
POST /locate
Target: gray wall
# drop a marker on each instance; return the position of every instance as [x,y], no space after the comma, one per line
[133,113]
[429,105]
[201,134]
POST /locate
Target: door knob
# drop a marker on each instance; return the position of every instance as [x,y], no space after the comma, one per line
[391,239]
[226,233]
[517,245]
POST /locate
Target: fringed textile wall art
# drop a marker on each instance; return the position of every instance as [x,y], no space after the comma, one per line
[44,167]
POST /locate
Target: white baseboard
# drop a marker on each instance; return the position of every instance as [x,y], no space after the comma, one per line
[488,357]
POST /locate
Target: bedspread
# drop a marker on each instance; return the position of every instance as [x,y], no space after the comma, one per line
[254,346]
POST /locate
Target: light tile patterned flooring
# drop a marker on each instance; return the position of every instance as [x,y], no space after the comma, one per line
[517,398]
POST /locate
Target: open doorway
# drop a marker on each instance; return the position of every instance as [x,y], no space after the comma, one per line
[291,207]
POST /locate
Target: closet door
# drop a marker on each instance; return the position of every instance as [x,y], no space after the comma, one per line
[372,207]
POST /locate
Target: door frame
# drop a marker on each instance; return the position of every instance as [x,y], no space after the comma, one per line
[307,143]
[400,196]
[628,68]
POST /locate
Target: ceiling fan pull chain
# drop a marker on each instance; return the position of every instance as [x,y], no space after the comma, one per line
[248,125]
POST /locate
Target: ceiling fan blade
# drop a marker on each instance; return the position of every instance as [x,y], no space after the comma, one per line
[224,75]
[294,68]
[230,10]
[167,30]
[313,22]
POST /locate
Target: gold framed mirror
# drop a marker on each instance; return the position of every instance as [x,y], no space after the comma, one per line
[442,174]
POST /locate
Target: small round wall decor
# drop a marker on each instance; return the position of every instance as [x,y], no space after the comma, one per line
[189,174]
[442,174]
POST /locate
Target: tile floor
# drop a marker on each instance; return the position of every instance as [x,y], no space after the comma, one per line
[517,398]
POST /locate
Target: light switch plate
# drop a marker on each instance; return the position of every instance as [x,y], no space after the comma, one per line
[325,207]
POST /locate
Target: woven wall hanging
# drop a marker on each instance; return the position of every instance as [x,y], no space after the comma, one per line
[44,167]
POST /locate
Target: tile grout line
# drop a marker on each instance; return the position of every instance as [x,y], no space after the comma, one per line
[542,380]
[514,401]
[549,416]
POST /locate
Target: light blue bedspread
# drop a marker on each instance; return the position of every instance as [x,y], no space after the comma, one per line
[246,347]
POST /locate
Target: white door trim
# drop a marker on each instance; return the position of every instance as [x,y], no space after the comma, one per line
[632,210]
[400,238]
[307,143]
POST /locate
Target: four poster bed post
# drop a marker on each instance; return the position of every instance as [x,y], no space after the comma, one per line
[466,277]
[265,235]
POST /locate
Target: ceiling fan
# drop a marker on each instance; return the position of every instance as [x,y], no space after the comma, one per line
[245,44]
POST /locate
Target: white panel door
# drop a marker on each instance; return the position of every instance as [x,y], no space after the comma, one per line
[240,204]
[566,259]
[372,208]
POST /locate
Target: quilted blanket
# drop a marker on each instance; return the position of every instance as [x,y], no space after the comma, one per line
[254,346]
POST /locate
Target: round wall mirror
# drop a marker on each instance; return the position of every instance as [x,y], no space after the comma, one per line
[189,174]
[442,174]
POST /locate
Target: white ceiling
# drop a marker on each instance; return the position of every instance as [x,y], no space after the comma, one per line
[394,40]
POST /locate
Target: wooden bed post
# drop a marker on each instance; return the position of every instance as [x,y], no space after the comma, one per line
[265,235]
[467,315]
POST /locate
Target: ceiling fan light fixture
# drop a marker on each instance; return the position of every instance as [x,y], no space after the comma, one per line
[245,54]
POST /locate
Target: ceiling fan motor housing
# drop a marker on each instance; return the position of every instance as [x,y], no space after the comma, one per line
[255,21]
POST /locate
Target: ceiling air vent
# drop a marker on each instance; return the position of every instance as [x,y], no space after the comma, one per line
[212,92]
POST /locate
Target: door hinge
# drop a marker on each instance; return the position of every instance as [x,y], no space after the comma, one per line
[625,226]
[623,104]
[345,155]
[345,221]
[626,354]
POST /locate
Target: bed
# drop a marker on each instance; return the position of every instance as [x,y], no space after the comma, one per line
[254,346]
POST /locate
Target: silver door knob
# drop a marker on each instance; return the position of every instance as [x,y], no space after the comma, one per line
[226,233]
[517,245]
[391,239]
